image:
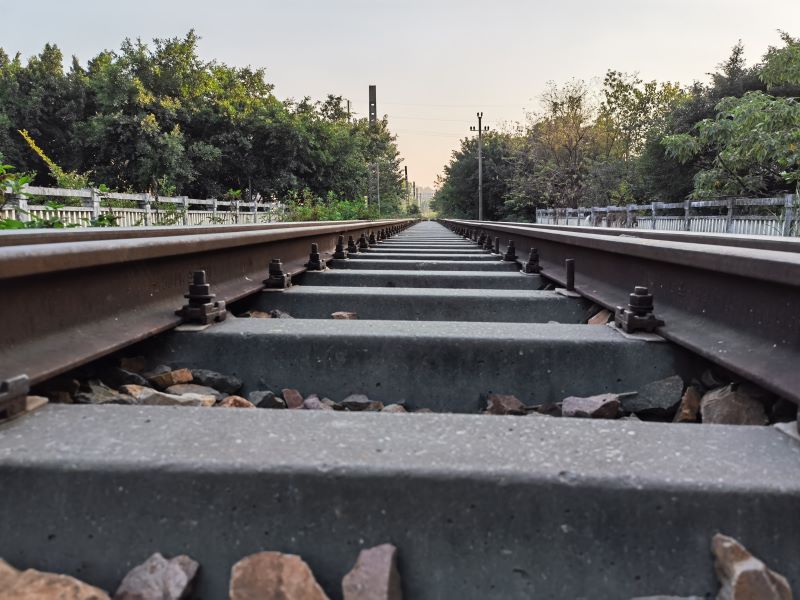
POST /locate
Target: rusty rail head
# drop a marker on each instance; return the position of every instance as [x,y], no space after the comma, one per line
[737,307]
[21,237]
[758,242]
[74,302]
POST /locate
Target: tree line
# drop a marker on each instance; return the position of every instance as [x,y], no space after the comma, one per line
[635,141]
[158,118]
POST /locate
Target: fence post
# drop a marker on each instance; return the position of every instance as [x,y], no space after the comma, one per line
[729,216]
[609,212]
[592,216]
[654,213]
[95,200]
[788,214]
[185,203]
[148,218]
[21,202]
[236,214]
[214,211]
[687,215]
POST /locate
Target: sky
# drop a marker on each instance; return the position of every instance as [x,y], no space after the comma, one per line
[435,63]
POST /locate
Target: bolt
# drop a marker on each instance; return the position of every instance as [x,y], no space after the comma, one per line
[351,246]
[496,245]
[569,264]
[201,307]
[487,243]
[363,244]
[640,302]
[315,262]
[532,266]
[340,252]
[277,279]
[511,253]
[372,240]
[638,316]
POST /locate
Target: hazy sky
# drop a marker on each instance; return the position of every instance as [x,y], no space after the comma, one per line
[435,63]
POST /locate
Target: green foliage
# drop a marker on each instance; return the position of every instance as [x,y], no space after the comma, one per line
[641,141]
[306,207]
[11,183]
[156,117]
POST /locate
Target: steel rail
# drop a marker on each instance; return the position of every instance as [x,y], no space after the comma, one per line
[737,307]
[20,237]
[760,242]
[69,303]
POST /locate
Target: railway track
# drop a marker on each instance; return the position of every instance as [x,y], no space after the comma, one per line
[517,506]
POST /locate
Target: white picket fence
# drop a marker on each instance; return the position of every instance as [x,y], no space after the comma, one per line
[774,216]
[149,210]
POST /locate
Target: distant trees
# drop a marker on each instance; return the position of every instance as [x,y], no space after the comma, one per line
[159,118]
[638,141]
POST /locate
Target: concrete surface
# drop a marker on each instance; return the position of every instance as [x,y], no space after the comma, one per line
[479,507]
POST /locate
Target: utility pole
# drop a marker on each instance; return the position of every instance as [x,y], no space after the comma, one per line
[373,124]
[480,129]
[407,195]
[348,111]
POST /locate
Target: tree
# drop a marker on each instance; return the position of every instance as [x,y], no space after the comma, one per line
[754,139]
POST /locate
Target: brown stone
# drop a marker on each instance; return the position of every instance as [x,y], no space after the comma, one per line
[744,577]
[374,576]
[689,408]
[158,578]
[292,397]
[150,397]
[343,314]
[164,380]
[235,402]
[602,406]
[601,318]
[194,388]
[732,405]
[314,403]
[331,404]
[274,576]
[39,585]
[256,314]
[360,402]
[96,392]
[394,408]
[504,404]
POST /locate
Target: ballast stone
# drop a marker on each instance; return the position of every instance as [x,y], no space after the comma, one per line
[602,406]
[165,380]
[689,408]
[732,405]
[31,584]
[96,392]
[274,576]
[159,579]
[235,402]
[292,397]
[218,381]
[266,399]
[504,404]
[194,388]
[656,399]
[743,576]
[150,397]
[374,576]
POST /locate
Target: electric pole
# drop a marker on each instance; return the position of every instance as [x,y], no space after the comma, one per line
[480,129]
[373,124]
[407,196]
